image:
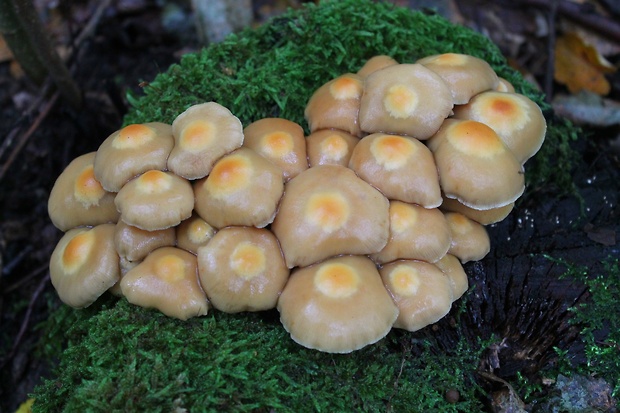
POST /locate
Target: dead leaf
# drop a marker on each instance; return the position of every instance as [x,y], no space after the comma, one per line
[5,52]
[580,66]
[587,108]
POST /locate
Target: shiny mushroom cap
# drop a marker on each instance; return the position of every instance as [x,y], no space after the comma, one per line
[470,240]
[483,216]
[376,63]
[133,244]
[451,266]
[193,233]
[330,147]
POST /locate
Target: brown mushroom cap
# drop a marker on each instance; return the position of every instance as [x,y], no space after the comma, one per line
[337,306]
[326,211]
[155,200]
[376,63]
[131,151]
[401,167]
[242,269]
[516,119]
[281,141]
[475,166]
[84,265]
[78,199]
[451,266]
[193,233]
[336,104]
[405,99]
[416,233]
[133,243]
[421,291]
[243,189]
[203,134]
[330,147]
[470,240]
[483,216]
[465,75]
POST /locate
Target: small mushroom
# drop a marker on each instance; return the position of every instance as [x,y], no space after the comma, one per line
[326,211]
[504,85]
[483,216]
[203,133]
[167,280]
[243,189]
[242,269]
[337,306]
[84,265]
[133,243]
[131,151]
[155,200]
[193,233]
[421,291]
[376,63]
[451,266]
[78,199]
[470,240]
[330,147]
[402,168]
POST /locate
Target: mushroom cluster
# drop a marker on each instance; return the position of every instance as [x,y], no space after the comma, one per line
[360,227]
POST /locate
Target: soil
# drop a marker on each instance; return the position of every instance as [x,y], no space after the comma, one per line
[516,294]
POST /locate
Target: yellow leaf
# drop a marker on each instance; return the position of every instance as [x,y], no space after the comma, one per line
[25,407]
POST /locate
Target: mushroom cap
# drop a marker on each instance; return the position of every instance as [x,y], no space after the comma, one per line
[84,265]
[133,243]
[203,133]
[504,85]
[131,151]
[326,211]
[330,147]
[401,167]
[451,266]
[78,199]
[155,200]
[465,75]
[193,233]
[336,104]
[281,141]
[421,291]
[376,63]
[167,280]
[470,240]
[337,306]
[242,269]
[475,166]
[483,216]
[516,119]
[416,233]
[405,99]
[242,189]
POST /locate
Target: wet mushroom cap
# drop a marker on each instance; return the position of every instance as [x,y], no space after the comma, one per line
[78,199]
[133,243]
[327,211]
[84,265]
[337,306]
[193,233]
[376,63]
[470,240]
[330,147]
[155,200]
[451,266]
[131,151]
[167,280]
[242,269]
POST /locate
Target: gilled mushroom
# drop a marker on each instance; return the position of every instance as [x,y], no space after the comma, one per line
[78,199]
[330,147]
[155,200]
[242,269]
[281,141]
[421,291]
[203,133]
[451,266]
[193,233]
[327,211]
[404,99]
[167,280]
[131,151]
[133,243]
[483,216]
[470,240]
[376,63]
[84,265]
[243,189]
[337,306]
[401,167]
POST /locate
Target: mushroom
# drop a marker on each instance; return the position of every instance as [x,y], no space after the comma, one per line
[133,244]
[415,233]
[401,167]
[131,151]
[482,216]
[155,200]
[78,199]
[193,233]
[516,119]
[421,291]
[242,269]
[376,63]
[475,166]
[470,240]
[279,140]
[504,85]
[167,280]
[404,99]
[465,75]
[336,104]
[326,211]
[330,147]
[84,265]
[203,133]
[243,189]
[337,306]
[451,266]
